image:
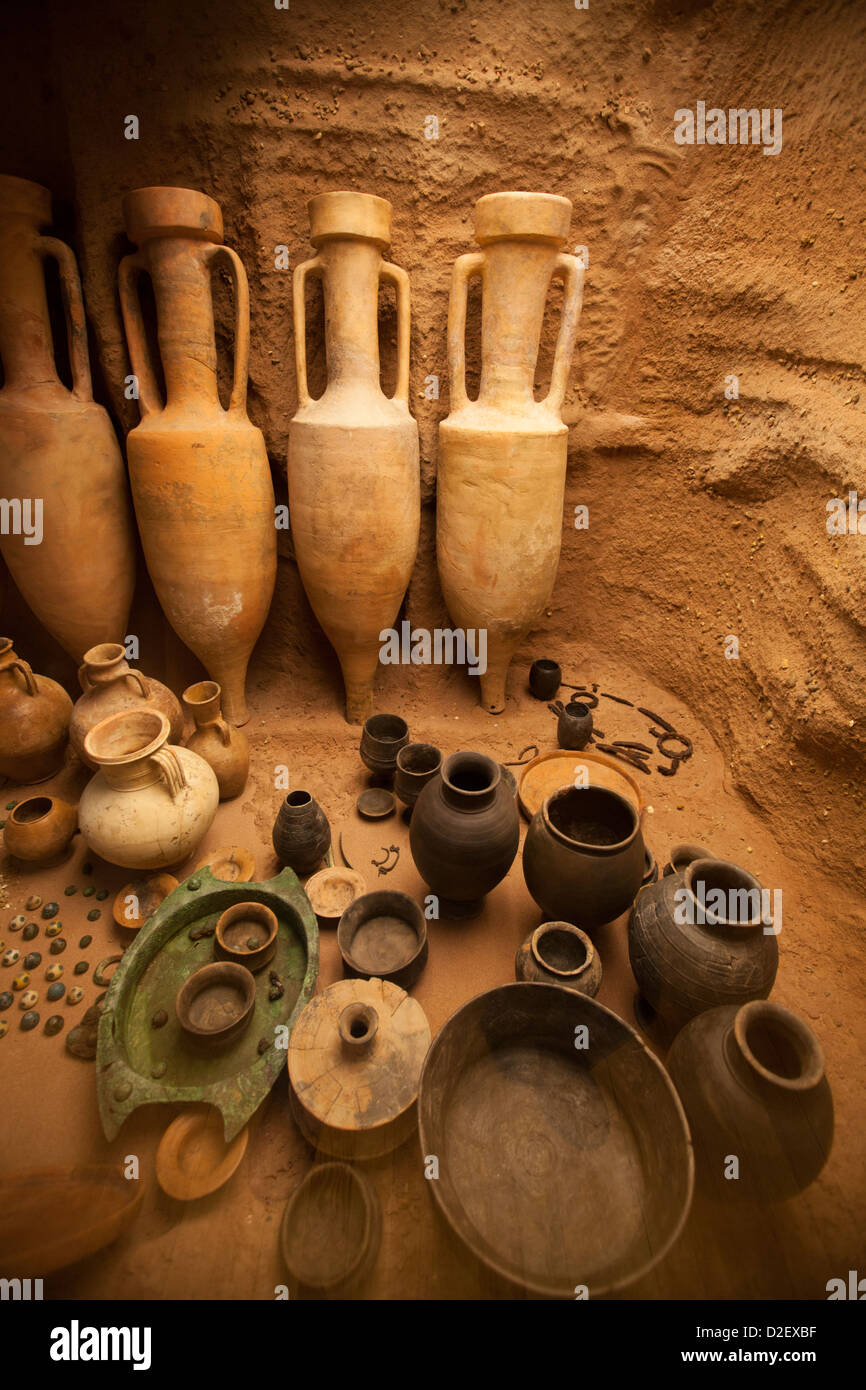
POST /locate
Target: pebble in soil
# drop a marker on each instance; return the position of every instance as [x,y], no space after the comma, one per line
[29,1020]
[31,960]
[70,890]
[11,956]
[160,1019]
[80,968]
[29,999]
[84,942]
[18,921]
[33,902]
[50,910]
[87,867]
[58,946]
[75,995]
[54,930]
[54,1025]
[4,1027]
[94,914]
[54,971]
[20,982]
[30,932]
[6,1000]
[88,892]
[101,894]
[55,991]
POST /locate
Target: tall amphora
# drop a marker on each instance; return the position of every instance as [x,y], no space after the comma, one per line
[68,536]
[201,483]
[354,485]
[502,457]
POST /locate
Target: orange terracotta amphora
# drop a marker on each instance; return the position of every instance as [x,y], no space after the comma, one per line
[57,446]
[201,482]
[502,458]
[354,482]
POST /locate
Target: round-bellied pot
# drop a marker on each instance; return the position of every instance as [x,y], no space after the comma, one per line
[583,856]
[301,832]
[34,720]
[381,740]
[681,856]
[574,728]
[109,686]
[223,748]
[39,829]
[150,803]
[752,1083]
[689,954]
[246,933]
[464,832]
[557,953]
[545,678]
[215,1004]
[383,934]
[417,764]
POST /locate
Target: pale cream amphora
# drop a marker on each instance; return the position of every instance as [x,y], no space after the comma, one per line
[502,458]
[58,448]
[200,477]
[151,802]
[353,468]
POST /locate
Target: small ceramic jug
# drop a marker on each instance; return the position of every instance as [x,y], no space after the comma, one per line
[574,729]
[34,720]
[545,678]
[150,803]
[227,750]
[110,685]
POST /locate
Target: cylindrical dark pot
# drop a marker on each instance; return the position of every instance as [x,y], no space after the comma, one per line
[383,935]
[575,725]
[583,856]
[465,831]
[681,856]
[301,832]
[752,1083]
[381,740]
[558,953]
[417,764]
[545,678]
[686,957]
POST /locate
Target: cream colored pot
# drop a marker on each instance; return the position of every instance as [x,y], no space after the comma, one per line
[502,457]
[354,485]
[150,803]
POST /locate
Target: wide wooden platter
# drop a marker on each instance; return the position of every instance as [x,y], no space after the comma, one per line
[142,1057]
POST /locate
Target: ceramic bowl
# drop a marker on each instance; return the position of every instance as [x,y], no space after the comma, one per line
[215,1004]
[246,933]
[383,935]
[331,1228]
[332,891]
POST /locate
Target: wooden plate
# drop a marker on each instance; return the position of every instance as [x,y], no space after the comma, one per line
[331,1228]
[52,1218]
[230,863]
[560,1165]
[550,771]
[193,1158]
[148,894]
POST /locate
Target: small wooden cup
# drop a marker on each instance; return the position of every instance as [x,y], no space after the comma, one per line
[241,924]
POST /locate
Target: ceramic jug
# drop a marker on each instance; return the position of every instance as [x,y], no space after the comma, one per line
[223,748]
[57,446]
[34,720]
[150,803]
[109,685]
[201,482]
[501,474]
[354,482]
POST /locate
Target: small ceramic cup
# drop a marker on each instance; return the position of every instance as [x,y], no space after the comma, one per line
[545,678]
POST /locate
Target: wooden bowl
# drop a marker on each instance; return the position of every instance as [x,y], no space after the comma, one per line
[246,933]
[193,1158]
[215,1004]
[141,898]
[331,1228]
[332,891]
[231,863]
[569,1159]
[376,803]
[383,934]
[52,1218]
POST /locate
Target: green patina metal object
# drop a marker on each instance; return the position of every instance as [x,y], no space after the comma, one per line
[139,1064]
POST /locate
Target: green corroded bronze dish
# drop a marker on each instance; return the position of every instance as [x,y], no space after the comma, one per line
[140,1063]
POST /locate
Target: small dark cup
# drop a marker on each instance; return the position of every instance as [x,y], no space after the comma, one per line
[382,738]
[417,763]
[575,725]
[545,678]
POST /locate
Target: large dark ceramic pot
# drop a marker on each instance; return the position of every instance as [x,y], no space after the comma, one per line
[752,1084]
[583,857]
[301,832]
[464,831]
[687,955]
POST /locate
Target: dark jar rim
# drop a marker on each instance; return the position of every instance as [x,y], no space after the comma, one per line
[790,1032]
[586,846]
